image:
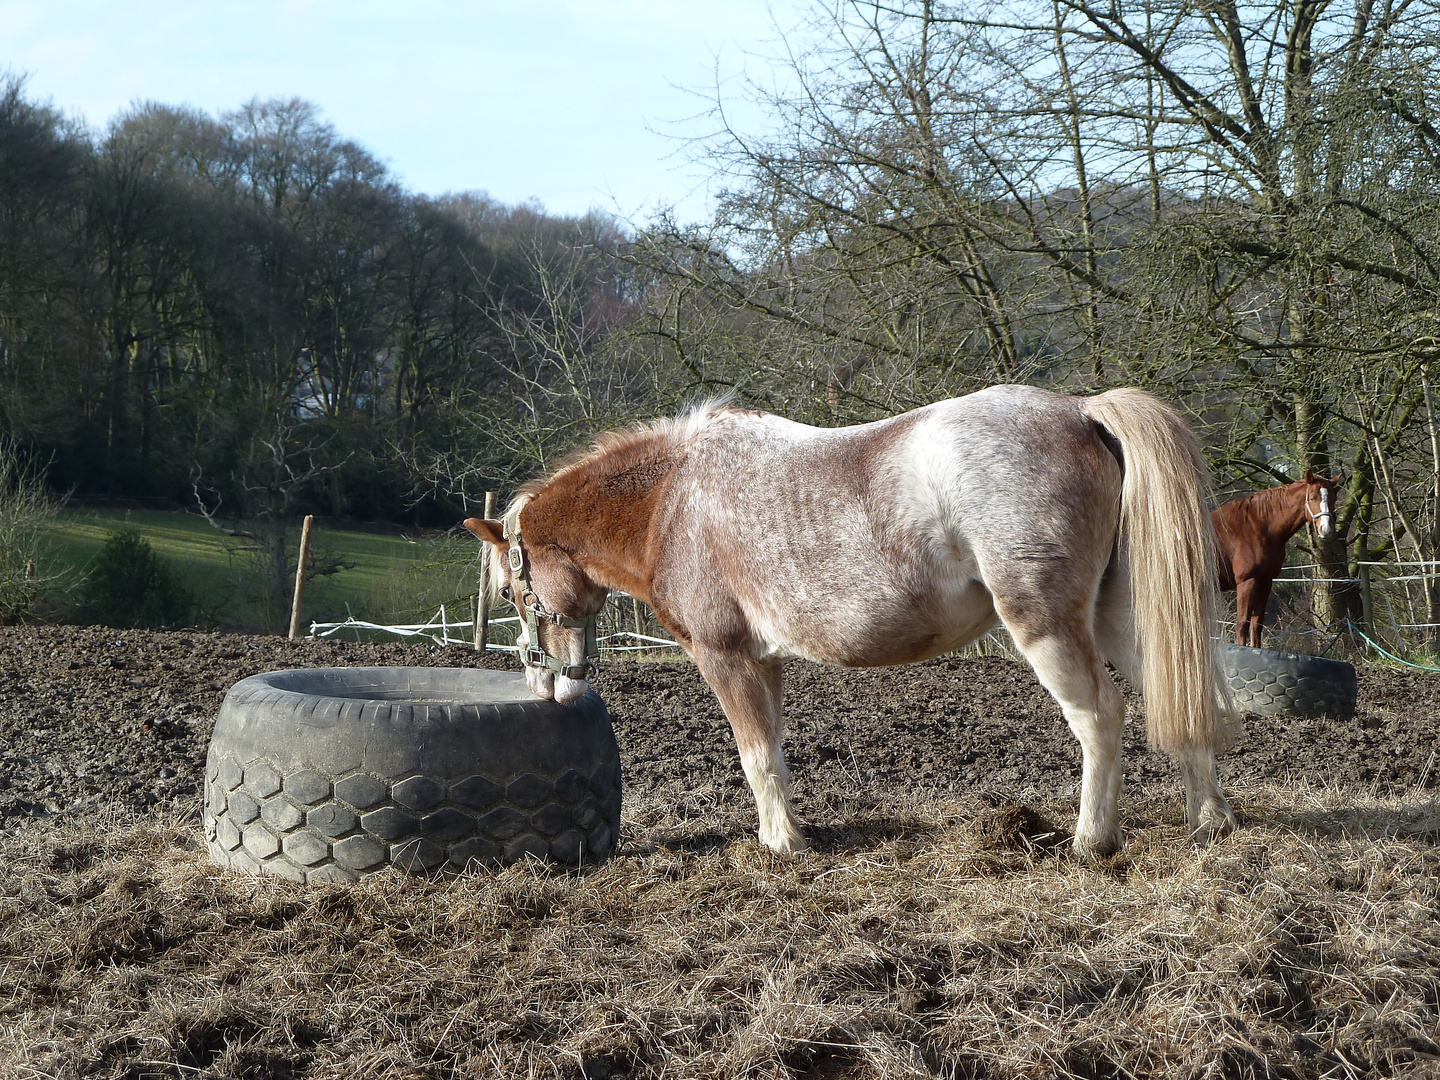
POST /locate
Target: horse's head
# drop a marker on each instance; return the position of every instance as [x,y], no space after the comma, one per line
[558,605]
[1320,502]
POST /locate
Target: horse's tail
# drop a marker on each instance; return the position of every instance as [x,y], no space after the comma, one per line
[1168,537]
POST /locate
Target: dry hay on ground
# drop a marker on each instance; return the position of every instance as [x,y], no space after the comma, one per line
[949,939]
[938,929]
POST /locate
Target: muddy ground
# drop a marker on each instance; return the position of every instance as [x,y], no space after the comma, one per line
[94,720]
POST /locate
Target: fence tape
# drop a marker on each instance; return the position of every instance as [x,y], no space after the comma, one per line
[438,630]
[1389,655]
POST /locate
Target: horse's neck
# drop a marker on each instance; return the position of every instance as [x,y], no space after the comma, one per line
[600,510]
[1283,509]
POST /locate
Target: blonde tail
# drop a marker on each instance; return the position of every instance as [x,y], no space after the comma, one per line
[1167,536]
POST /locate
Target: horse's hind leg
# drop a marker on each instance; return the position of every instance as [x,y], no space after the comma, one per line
[1068,665]
[1206,809]
[749,692]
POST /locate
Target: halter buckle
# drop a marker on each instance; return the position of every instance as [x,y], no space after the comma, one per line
[516,558]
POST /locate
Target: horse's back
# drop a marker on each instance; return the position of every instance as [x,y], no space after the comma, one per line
[999,465]
[808,526]
[1011,456]
[1024,482]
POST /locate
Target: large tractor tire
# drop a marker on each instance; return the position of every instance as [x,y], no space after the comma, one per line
[331,774]
[1273,683]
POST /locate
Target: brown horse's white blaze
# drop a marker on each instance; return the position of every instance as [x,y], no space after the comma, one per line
[1077,522]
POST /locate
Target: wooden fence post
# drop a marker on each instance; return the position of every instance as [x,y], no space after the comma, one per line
[482,597]
[300,562]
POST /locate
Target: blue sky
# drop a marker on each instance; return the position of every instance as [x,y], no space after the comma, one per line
[576,103]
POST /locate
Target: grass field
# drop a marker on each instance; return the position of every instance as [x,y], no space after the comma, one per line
[393,577]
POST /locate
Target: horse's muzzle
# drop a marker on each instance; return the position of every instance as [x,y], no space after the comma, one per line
[552,687]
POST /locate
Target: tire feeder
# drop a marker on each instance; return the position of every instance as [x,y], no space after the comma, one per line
[1274,683]
[331,774]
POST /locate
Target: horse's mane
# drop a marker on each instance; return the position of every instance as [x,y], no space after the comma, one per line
[1264,496]
[622,442]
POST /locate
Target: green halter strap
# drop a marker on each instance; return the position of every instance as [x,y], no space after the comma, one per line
[527,602]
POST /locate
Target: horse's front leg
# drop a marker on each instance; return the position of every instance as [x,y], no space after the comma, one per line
[749,692]
[1243,589]
[1259,601]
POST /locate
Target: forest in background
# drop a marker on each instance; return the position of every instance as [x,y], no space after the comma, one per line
[1232,204]
[247,311]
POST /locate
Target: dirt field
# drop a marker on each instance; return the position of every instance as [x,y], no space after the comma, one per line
[936,929]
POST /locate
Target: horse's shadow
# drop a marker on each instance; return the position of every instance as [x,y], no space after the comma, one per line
[833,839]
[866,832]
[1011,828]
[1417,822]
[705,842]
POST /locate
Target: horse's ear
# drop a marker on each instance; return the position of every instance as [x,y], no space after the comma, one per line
[1339,478]
[1310,476]
[492,532]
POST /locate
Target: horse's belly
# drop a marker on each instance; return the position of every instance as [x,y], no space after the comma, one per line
[879,635]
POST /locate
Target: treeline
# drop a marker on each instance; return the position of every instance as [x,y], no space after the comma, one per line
[248,313]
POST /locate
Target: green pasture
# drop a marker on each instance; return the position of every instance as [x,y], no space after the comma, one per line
[392,578]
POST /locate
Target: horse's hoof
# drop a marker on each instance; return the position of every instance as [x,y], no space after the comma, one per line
[785,844]
[1215,822]
[1102,847]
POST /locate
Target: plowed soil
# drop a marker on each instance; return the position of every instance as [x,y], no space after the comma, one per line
[97,720]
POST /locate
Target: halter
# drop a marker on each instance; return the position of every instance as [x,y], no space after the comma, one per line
[1326,510]
[534,654]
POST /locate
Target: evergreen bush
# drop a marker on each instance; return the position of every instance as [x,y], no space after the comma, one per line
[130,586]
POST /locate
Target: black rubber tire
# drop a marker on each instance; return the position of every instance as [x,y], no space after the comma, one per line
[1273,683]
[330,774]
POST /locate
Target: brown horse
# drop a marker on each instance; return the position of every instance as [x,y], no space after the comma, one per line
[1077,522]
[1253,531]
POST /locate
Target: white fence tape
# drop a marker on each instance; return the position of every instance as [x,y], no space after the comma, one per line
[438,629]
[444,631]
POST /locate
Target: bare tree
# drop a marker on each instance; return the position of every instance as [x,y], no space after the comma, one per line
[26,512]
[267,494]
[1230,203]
[561,369]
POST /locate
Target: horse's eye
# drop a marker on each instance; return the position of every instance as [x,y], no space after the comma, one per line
[506,593]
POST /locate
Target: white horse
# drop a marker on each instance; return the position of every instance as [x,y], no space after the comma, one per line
[1079,523]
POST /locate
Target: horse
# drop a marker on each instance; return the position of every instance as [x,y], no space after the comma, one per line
[1252,532]
[1078,523]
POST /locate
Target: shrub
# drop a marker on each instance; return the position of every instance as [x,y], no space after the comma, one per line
[26,509]
[131,586]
